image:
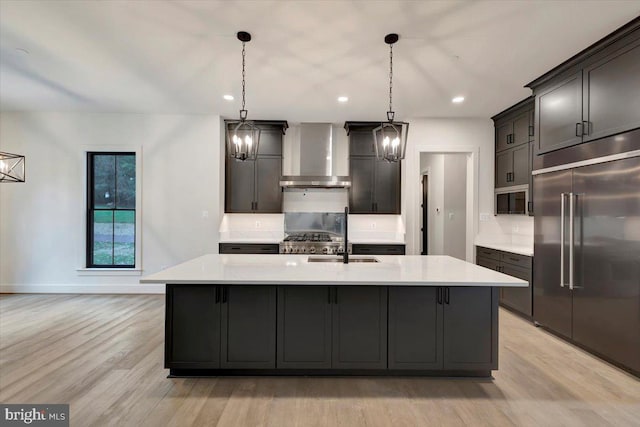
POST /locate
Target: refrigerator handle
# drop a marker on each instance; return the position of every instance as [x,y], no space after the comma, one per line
[562,239]
[571,240]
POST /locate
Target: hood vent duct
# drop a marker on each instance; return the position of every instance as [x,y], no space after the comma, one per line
[316,160]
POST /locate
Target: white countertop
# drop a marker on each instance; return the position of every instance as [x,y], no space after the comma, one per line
[412,270]
[509,247]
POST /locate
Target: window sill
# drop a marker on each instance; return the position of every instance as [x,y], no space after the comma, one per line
[109,272]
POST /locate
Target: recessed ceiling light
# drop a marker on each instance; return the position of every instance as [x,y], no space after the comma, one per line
[458,99]
[343,98]
[228,97]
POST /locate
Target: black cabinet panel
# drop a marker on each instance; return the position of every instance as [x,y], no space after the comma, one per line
[248,248]
[470,320]
[268,197]
[488,263]
[387,188]
[304,327]
[503,135]
[192,327]
[360,327]
[504,168]
[612,93]
[239,187]
[559,115]
[521,129]
[373,249]
[248,327]
[521,169]
[415,328]
[362,170]
[361,142]
[270,141]
[517,298]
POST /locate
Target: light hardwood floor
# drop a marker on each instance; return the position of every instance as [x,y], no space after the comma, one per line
[103,355]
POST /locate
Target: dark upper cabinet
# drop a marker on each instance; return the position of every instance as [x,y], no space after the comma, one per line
[503,135]
[254,186]
[304,327]
[521,165]
[415,328]
[593,95]
[375,184]
[192,327]
[521,125]
[504,168]
[470,320]
[359,327]
[559,115]
[611,89]
[248,327]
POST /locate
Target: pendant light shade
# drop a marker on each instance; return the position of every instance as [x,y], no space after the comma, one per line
[391,136]
[243,136]
[11,167]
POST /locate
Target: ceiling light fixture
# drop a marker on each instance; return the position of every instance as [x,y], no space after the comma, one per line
[243,136]
[228,97]
[457,99]
[11,167]
[391,136]
[343,98]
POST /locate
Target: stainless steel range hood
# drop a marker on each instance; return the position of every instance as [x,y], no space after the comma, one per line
[316,160]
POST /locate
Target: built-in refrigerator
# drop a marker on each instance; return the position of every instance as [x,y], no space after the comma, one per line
[586,279]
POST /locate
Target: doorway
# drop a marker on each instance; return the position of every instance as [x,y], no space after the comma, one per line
[425,215]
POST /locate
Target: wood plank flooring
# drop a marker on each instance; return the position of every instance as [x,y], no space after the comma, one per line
[103,354]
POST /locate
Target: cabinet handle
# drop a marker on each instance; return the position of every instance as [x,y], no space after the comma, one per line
[446,295]
[530,206]
[578,129]
[531,130]
[217,294]
[586,128]
[514,259]
[225,297]
[439,295]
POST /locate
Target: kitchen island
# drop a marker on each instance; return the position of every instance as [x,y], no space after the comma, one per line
[285,315]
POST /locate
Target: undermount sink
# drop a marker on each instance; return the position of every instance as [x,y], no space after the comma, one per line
[339,259]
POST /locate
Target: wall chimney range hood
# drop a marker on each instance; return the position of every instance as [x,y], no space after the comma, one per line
[316,160]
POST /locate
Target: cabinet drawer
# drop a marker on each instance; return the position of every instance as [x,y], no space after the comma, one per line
[248,248]
[516,259]
[487,253]
[362,249]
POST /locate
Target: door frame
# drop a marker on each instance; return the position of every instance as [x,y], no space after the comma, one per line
[414,193]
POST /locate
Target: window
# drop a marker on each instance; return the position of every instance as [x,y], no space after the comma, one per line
[111,210]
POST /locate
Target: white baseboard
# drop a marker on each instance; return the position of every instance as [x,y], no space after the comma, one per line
[83,289]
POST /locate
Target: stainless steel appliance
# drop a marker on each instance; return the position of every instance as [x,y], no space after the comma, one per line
[316,233]
[587,253]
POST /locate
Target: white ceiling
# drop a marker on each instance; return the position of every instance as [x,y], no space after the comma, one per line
[182,56]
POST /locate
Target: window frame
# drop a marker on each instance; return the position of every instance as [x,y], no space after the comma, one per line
[90,209]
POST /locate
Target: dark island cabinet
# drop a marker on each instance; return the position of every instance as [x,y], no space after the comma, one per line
[375,184]
[360,327]
[593,95]
[436,328]
[192,327]
[248,248]
[253,186]
[470,323]
[248,337]
[304,327]
[415,328]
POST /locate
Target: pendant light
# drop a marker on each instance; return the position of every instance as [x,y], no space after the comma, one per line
[11,167]
[243,136]
[391,136]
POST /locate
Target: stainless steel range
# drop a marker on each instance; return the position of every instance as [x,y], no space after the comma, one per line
[313,233]
[312,243]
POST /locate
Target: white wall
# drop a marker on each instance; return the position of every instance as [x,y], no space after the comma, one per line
[41,221]
[455,205]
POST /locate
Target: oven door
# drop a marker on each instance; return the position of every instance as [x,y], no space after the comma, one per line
[512,200]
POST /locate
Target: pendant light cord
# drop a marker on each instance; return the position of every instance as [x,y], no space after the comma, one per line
[390,77]
[243,74]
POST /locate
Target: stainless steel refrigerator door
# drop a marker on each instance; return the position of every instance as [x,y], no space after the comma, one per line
[551,294]
[606,295]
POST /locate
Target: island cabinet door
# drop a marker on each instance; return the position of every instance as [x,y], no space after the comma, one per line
[304,327]
[470,328]
[359,327]
[415,328]
[192,327]
[248,327]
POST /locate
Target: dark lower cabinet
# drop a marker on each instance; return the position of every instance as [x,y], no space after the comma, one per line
[248,338]
[360,327]
[378,249]
[470,323]
[415,328]
[192,327]
[304,327]
[519,299]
